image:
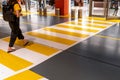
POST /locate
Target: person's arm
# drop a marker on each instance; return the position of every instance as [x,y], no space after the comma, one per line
[17,10]
[17,13]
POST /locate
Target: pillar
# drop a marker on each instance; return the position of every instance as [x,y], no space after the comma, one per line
[63,5]
[90,7]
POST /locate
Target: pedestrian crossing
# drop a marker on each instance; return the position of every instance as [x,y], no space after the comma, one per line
[29,75]
[44,44]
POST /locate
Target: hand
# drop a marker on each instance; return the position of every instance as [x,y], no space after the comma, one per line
[21,14]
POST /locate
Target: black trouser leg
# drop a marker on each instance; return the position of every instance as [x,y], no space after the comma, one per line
[12,39]
[15,32]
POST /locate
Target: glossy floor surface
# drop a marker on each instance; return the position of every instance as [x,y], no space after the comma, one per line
[62,49]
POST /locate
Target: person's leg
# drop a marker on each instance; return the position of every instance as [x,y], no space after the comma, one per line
[19,32]
[113,13]
[116,12]
[12,37]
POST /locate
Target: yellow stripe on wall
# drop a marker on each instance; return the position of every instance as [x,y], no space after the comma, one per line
[36,47]
[52,38]
[26,75]
[67,32]
[13,62]
[77,28]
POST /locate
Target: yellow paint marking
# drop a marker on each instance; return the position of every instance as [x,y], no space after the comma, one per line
[52,38]
[67,32]
[77,28]
[13,62]
[87,24]
[103,19]
[26,75]
[43,49]
[28,12]
[108,37]
[46,50]
[95,22]
[96,18]
[114,20]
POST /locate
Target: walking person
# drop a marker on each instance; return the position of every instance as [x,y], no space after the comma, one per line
[15,26]
[80,3]
[52,3]
[116,9]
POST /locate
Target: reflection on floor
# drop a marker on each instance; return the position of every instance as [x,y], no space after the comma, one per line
[60,41]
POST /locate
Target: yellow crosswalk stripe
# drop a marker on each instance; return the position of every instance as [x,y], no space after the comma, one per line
[116,20]
[13,62]
[43,49]
[67,32]
[52,38]
[95,22]
[77,28]
[28,13]
[26,75]
[46,50]
[103,19]
[97,26]
[87,24]
[96,18]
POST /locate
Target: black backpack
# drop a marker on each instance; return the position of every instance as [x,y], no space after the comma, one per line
[7,11]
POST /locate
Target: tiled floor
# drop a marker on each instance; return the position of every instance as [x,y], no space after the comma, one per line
[62,49]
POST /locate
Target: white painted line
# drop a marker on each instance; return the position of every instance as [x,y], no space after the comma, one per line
[84,23]
[46,42]
[44,79]
[30,56]
[4,45]
[96,21]
[71,30]
[81,26]
[58,35]
[5,71]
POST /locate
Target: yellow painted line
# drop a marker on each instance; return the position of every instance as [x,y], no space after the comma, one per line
[76,28]
[48,14]
[29,12]
[26,75]
[97,18]
[108,37]
[67,32]
[87,24]
[97,26]
[96,22]
[103,19]
[36,47]
[53,14]
[52,38]
[114,20]
[13,62]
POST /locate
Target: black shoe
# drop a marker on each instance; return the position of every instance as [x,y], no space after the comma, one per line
[26,43]
[11,51]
